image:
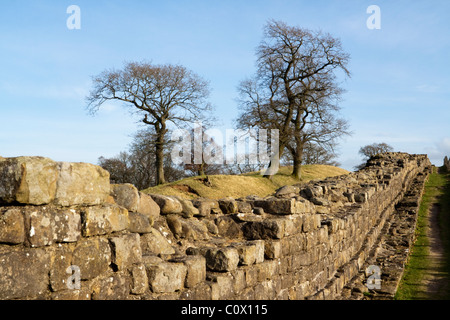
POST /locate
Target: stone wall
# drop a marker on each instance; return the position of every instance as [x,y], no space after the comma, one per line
[447,164]
[67,233]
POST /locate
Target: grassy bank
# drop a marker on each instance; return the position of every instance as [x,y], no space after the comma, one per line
[412,285]
[236,186]
[444,223]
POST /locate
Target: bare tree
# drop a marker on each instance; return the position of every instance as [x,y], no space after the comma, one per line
[137,165]
[371,150]
[375,148]
[314,153]
[119,167]
[161,94]
[203,142]
[295,88]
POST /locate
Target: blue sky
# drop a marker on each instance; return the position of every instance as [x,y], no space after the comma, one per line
[399,91]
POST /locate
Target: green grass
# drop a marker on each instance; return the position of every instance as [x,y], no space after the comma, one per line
[411,286]
[444,223]
[237,186]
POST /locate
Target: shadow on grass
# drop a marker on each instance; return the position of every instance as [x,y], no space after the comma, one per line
[444,224]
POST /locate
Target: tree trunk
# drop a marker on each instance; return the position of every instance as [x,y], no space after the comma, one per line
[297,158]
[159,145]
[296,172]
[201,169]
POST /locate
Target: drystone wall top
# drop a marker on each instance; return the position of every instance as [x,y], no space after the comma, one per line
[40,181]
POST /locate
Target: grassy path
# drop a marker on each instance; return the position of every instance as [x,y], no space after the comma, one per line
[427,274]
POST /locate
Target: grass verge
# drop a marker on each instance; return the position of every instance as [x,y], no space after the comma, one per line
[411,286]
[444,224]
[236,186]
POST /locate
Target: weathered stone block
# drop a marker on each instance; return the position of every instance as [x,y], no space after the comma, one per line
[139,223]
[247,253]
[251,276]
[81,184]
[24,274]
[285,264]
[12,229]
[28,180]
[216,211]
[228,227]
[221,288]
[260,292]
[195,269]
[246,217]
[258,211]
[41,225]
[302,206]
[113,287]
[211,226]
[323,210]
[221,260]
[260,245]
[277,206]
[92,256]
[175,225]
[246,294]
[139,279]
[273,249]
[349,196]
[148,207]
[155,243]
[317,221]
[313,191]
[60,271]
[286,246]
[205,206]
[266,270]
[287,191]
[167,205]
[126,195]
[72,295]
[99,220]
[228,205]
[266,229]
[190,229]
[188,209]
[320,201]
[201,292]
[239,283]
[67,225]
[361,197]
[166,277]
[126,250]
[290,227]
[308,222]
[332,224]
[151,259]
[48,225]
[296,226]
[244,207]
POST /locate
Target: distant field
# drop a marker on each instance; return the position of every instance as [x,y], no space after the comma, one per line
[237,186]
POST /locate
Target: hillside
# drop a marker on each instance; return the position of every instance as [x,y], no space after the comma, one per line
[236,186]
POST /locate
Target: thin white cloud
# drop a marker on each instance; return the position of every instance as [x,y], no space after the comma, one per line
[426,88]
[44,91]
[438,151]
[444,145]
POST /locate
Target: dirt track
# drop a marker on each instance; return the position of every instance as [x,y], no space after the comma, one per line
[435,279]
